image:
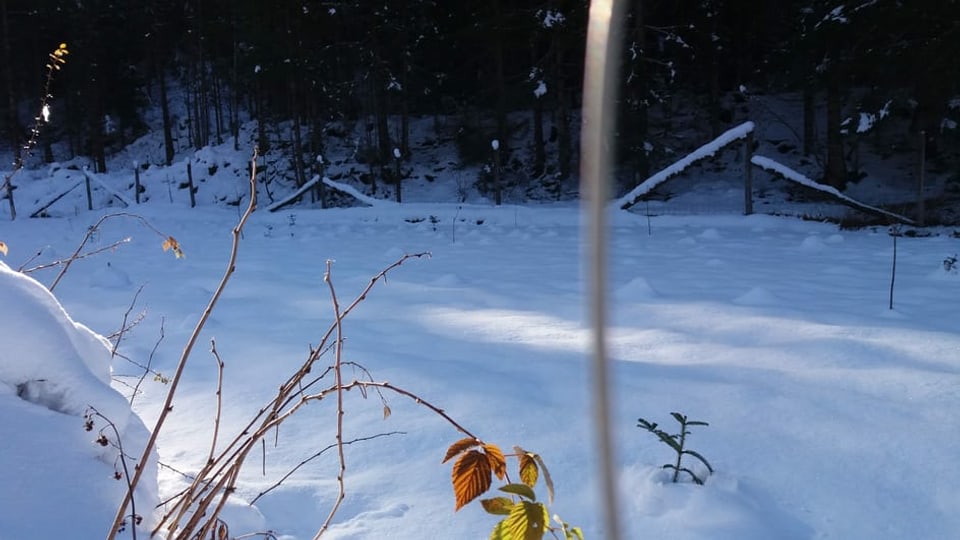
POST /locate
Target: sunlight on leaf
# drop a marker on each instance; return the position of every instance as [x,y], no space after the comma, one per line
[498,463]
[3,248]
[527,521]
[471,477]
[529,473]
[171,244]
[458,447]
[497,505]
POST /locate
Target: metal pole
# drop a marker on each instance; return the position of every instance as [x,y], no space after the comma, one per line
[599,99]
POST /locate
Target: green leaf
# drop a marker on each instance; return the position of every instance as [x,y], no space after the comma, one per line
[522,490]
[701,458]
[679,417]
[497,505]
[697,423]
[574,534]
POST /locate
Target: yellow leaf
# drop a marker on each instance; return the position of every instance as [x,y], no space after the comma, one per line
[458,447]
[497,505]
[498,463]
[471,477]
[3,248]
[529,473]
[527,521]
[386,412]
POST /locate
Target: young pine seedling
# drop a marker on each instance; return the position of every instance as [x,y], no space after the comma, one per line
[678,443]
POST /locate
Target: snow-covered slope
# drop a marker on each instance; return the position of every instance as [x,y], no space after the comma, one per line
[58,482]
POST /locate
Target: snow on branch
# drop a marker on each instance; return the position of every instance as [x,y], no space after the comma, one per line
[352,191]
[708,150]
[780,169]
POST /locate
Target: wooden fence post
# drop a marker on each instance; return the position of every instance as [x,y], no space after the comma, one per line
[136,181]
[193,198]
[86,179]
[748,174]
[498,192]
[396,170]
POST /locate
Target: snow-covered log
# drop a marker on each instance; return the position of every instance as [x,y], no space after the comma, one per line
[352,191]
[293,196]
[708,150]
[787,173]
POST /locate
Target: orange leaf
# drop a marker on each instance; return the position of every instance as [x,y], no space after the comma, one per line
[529,472]
[498,463]
[171,244]
[471,477]
[458,447]
[3,248]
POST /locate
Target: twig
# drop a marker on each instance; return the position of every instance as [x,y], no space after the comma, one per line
[92,411]
[175,380]
[318,454]
[86,238]
[216,420]
[123,324]
[97,251]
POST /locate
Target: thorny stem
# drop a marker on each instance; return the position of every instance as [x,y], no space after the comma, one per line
[216,419]
[338,377]
[175,380]
[126,470]
[219,476]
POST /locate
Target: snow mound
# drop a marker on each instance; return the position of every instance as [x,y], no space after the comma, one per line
[52,371]
[757,296]
[724,508]
[637,289]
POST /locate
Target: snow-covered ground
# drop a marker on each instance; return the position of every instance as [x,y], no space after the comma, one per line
[830,415]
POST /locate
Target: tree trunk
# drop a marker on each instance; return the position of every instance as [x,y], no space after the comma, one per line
[809,111]
[168,148]
[13,123]
[836,170]
[297,159]
[564,138]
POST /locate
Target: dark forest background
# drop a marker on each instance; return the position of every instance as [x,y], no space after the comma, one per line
[319,63]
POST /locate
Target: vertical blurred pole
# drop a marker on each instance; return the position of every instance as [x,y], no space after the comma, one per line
[599,101]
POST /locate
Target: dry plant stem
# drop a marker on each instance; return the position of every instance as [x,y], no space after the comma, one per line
[146,368]
[318,454]
[86,238]
[217,478]
[338,377]
[126,470]
[97,251]
[175,380]
[123,325]
[216,420]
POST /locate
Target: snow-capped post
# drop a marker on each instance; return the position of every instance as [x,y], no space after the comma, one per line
[396,170]
[921,205]
[748,174]
[86,180]
[136,181]
[193,198]
[497,192]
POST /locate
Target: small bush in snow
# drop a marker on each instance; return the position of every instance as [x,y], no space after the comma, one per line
[678,443]
[950,264]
